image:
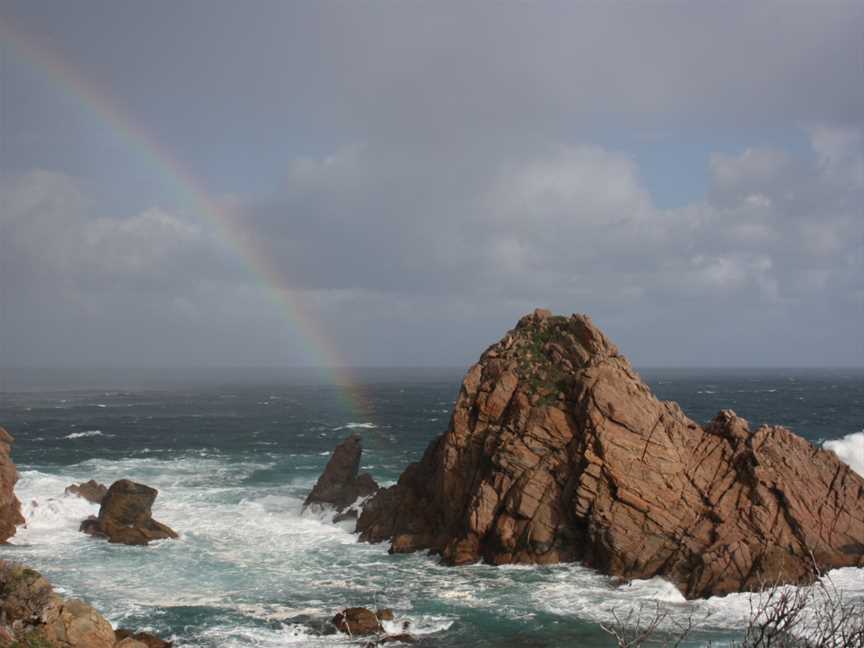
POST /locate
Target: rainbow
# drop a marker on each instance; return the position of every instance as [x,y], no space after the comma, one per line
[95,102]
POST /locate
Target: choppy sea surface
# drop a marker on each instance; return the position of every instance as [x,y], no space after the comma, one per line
[234,454]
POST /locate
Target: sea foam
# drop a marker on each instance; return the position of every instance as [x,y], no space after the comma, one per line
[850,449]
[81,435]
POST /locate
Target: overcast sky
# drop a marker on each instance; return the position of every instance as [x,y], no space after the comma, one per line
[416,176]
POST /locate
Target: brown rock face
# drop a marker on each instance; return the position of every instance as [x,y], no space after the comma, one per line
[557,451]
[124,516]
[340,485]
[10,507]
[359,621]
[91,490]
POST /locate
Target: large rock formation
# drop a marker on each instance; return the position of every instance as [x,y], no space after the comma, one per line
[31,614]
[125,517]
[10,507]
[92,491]
[339,485]
[557,451]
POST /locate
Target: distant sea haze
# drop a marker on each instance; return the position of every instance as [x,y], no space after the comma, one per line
[234,453]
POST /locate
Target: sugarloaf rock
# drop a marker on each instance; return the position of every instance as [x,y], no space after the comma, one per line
[340,485]
[558,451]
[10,507]
[125,516]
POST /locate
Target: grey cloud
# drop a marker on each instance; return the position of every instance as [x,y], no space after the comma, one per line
[475,164]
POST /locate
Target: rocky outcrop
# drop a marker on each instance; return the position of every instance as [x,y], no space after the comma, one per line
[32,614]
[125,516]
[339,485]
[91,490]
[360,621]
[557,451]
[363,622]
[10,507]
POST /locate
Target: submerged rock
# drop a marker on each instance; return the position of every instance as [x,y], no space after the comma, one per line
[339,485]
[10,507]
[125,517]
[557,451]
[91,490]
[143,638]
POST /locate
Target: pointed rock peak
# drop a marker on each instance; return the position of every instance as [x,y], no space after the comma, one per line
[340,485]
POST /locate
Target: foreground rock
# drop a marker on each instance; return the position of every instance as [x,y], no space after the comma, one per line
[91,490]
[125,516]
[10,507]
[32,615]
[557,451]
[339,485]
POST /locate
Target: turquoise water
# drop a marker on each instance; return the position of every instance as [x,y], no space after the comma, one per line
[233,457]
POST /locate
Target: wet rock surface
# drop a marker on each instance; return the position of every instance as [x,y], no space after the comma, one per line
[557,451]
[144,638]
[360,621]
[125,516]
[90,490]
[340,485]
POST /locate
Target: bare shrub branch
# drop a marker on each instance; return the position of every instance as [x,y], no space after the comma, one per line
[819,616]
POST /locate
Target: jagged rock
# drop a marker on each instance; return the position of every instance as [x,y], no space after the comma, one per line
[125,517]
[33,615]
[91,490]
[360,621]
[339,485]
[144,638]
[10,507]
[557,451]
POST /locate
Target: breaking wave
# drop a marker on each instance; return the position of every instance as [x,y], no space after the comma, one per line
[850,449]
[81,435]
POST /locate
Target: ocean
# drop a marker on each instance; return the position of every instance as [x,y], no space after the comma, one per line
[233,454]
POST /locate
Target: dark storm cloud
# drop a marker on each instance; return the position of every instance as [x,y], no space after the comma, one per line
[438,170]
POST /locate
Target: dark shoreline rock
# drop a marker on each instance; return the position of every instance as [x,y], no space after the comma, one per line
[340,485]
[360,621]
[10,507]
[557,451]
[149,640]
[125,516]
[92,491]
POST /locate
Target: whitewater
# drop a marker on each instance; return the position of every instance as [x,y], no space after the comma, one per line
[251,570]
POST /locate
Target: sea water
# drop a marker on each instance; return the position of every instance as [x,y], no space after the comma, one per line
[233,455]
